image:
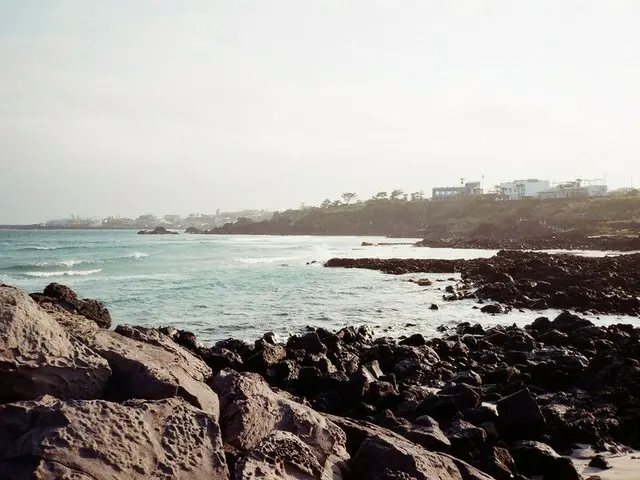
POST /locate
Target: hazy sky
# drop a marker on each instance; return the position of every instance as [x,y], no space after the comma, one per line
[126,107]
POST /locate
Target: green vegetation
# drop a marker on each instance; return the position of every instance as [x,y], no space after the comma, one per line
[398,214]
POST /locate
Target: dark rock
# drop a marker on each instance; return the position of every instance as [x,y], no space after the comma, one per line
[157,231]
[469,377]
[309,342]
[415,340]
[567,322]
[519,415]
[265,357]
[67,299]
[444,406]
[493,308]
[434,307]
[221,358]
[498,463]
[466,439]
[380,454]
[599,462]
[535,458]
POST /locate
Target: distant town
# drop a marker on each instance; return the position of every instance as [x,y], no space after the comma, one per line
[195,220]
[527,188]
[530,188]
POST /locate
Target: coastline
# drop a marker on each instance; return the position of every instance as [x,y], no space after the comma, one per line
[491,402]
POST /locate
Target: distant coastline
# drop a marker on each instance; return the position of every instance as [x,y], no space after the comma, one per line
[57,227]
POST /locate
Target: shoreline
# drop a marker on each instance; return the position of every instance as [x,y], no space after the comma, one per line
[489,401]
[528,280]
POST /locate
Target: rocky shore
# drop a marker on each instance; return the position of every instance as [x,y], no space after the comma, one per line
[533,280]
[80,401]
[496,239]
[157,231]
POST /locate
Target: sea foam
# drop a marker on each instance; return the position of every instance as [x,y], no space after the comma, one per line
[62,273]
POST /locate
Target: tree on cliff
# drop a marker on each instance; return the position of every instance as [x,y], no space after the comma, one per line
[417,196]
[326,203]
[348,197]
[380,196]
[396,194]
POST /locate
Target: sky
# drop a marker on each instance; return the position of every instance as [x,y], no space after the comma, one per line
[132,106]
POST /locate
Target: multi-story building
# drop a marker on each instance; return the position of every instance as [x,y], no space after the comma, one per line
[468,189]
[573,189]
[527,188]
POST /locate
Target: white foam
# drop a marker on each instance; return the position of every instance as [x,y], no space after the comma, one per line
[138,255]
[62,273]
[65,263]
[253,261]
[624,466]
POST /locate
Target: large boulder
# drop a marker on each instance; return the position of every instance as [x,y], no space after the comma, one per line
[250,411]
[536,458]
[37,357]
[62,296]
[99,440]
[380,454]
[148,365]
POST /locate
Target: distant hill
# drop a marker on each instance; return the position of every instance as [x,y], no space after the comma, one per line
[464,217]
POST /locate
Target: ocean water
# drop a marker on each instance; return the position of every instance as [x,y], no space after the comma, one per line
[242,286]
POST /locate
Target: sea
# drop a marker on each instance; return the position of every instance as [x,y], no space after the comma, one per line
[245,286]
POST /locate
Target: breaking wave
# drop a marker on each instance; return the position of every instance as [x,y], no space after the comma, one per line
[138,255]
[62,273]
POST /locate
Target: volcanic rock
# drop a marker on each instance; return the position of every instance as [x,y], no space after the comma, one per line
[99,440]
[37,357]
[250,412]
[64,297]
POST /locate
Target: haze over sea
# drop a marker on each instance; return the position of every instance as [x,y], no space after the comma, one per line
[241,286]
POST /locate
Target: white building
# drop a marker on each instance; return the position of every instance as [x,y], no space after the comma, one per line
[528,188]
[573,189]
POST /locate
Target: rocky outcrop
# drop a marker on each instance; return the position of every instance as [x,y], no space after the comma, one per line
[250,412]
[157,231]
[58,297]
[398,266]
[81,402]
[147,364]
[37,357]
[95,439]
[154,369]
[379,454]
[475,403]
[516,279]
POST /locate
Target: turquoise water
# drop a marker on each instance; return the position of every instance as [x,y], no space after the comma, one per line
[240,286]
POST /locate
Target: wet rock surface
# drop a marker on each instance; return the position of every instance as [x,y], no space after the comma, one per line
[532,280]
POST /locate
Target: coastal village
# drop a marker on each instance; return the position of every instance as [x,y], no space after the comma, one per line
[530,188]
[526,188]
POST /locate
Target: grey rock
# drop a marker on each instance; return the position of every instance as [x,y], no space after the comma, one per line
[37,357]
[100,440]
[147,364]
[280,455]
[250,411]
